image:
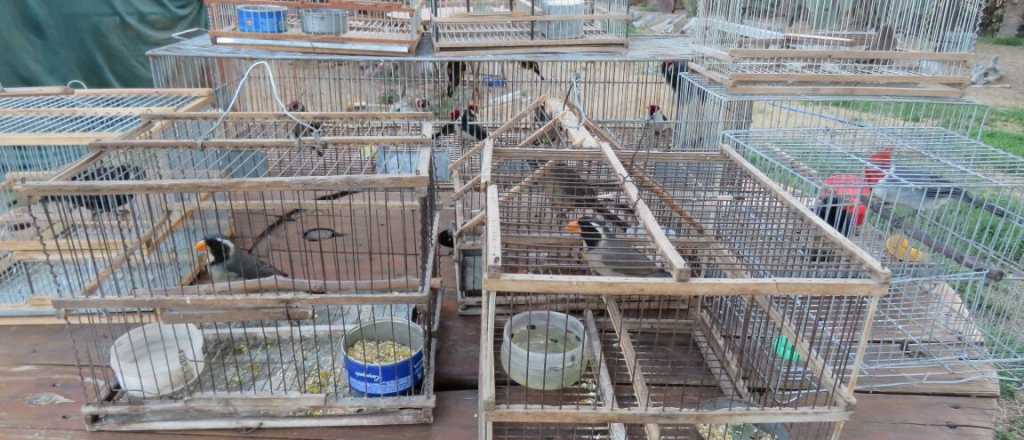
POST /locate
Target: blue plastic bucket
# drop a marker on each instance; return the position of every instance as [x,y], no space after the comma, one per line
[261,18]
[375,380]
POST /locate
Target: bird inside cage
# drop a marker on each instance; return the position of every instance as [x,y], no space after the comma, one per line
[226,261]
[607,254]
[102,204]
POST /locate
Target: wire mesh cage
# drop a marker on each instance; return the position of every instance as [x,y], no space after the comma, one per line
[248,268]
[660,288]
[377,27]
[880,47]
[707,109]
[41,133]
[943,213]
[554,25]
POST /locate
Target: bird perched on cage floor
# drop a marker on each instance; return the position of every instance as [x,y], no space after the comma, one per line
[608,255]
[658,128]
[916,189]
[840,205]
[469,132]
[228,262]
[100,204]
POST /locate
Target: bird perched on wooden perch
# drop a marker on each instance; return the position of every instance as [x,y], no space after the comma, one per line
[915,187]
[532,66]
[101,204]
[228,262]
[303,130]
[608,255]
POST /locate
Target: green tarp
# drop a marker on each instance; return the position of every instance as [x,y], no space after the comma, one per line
[100,42]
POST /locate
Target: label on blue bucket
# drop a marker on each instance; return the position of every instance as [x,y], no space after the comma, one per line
[385,380]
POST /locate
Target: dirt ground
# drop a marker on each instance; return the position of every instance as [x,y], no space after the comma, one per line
[1011,61]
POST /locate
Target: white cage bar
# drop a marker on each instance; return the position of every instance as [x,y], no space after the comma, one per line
[877,47]
[943,213]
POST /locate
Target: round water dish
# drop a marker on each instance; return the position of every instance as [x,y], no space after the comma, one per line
[543,350]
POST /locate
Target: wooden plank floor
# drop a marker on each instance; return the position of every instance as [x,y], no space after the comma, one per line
[40,359]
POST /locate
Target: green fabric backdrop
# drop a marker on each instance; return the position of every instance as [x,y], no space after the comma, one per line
[100,42]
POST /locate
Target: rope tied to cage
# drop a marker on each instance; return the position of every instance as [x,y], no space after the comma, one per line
[273,92]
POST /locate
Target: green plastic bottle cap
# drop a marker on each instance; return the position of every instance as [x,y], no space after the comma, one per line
[786,350]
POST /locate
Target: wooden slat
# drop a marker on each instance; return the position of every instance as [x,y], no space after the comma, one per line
[493,239]
[626,286]
[206,302]
[278,116]
[282,284]
[16,92]
[604,379]
[235,315]
[636,374]
[521,18]
[250,144]
[55,138]
[304,183]
[526,413]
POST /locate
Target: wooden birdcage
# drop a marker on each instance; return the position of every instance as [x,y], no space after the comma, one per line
[692,292]
[379,27]
[249,255]
[42,131]
[523,26]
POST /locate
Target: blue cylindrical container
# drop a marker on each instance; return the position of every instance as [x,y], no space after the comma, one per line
[375,380]
[261,18]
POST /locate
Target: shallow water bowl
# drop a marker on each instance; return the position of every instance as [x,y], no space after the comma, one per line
[543,350]
[157,359]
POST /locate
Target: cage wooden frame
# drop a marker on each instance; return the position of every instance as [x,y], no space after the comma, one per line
[479,27]
[267,307]
[602,295]
[382,27]
[39,120]
[153,136]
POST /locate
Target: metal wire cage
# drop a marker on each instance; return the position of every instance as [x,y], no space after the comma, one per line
[277,254]
[943,213]
[378,27]
[707,109]
[677,272]
[555,25]
[43,130]
[878,46]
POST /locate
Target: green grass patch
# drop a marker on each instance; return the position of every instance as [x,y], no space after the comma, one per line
[1004,41]
[1005,140]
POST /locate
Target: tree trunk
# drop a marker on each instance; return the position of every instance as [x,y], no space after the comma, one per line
[1013,16]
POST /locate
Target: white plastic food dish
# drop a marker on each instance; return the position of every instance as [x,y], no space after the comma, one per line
[157,359]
